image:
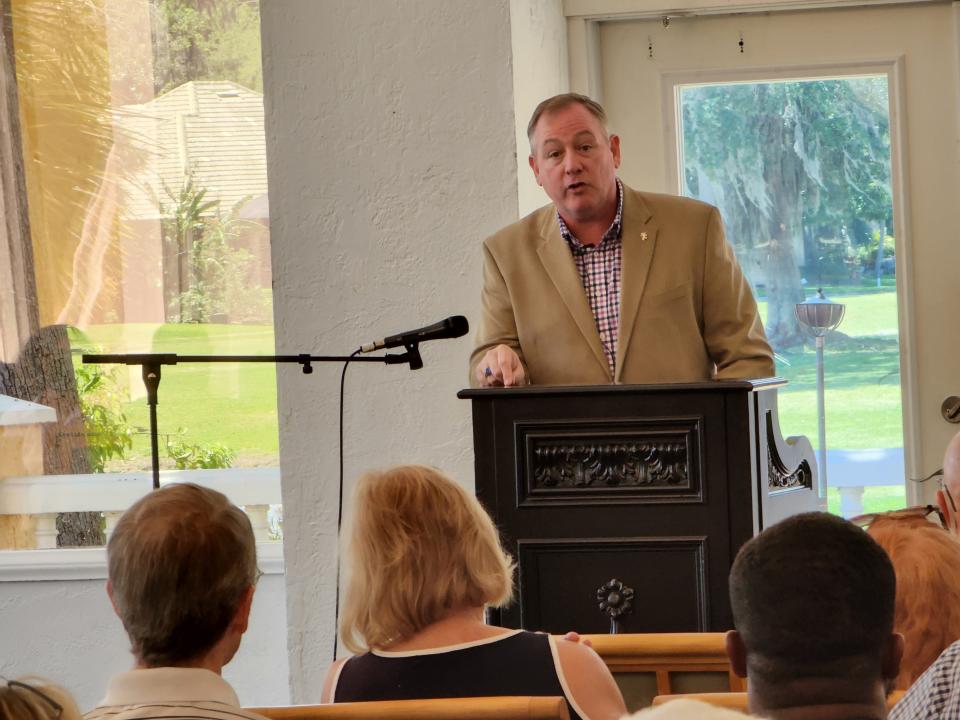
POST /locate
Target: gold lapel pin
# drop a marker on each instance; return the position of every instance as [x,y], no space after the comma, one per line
[643,236]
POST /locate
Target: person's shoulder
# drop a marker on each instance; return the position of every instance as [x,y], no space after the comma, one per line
[330,681]
[933,694]
[664,202]
[685,709]
[587,681]
[947,665]
[577,657]
[181,710]
[530,226]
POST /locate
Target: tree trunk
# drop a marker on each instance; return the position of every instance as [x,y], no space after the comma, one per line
[784,179]
[878,261]
[784,291]
[43,374]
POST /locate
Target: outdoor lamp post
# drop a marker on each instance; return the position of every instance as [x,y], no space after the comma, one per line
[818,316]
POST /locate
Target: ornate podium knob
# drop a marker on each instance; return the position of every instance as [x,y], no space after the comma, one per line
[616,600]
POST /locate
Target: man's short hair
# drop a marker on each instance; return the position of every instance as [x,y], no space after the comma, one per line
[180,560]
[559,102]
[419,546]
[811,595]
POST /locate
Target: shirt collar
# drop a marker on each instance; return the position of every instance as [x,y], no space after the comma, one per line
[613,232]
[169,684]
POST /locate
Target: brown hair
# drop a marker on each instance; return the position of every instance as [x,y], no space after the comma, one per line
[559,102]
[926,560]
[420,547]
[35,699]
[180,561]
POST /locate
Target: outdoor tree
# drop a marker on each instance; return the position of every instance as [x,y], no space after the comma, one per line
[213,276]
[785,159]
[206,40]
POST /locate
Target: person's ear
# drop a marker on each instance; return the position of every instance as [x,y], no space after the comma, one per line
[241,618]
[736,653]
[615,150]
[535,166]
[892,655]
[113,601]
[950,517]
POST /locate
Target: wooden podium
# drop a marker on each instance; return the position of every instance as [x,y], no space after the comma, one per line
[624,505]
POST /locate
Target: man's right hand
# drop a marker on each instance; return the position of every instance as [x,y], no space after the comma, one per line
[501,366]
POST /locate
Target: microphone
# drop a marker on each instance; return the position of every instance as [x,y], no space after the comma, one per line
[452,327]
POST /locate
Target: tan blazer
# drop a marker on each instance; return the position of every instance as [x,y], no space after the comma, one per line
[686,311]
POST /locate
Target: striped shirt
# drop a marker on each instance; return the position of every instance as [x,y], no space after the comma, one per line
[936,693]
[599,268]
[170,692]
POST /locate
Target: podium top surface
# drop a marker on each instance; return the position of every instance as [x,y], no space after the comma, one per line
[549,390]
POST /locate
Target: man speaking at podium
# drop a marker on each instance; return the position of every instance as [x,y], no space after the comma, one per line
[608,284]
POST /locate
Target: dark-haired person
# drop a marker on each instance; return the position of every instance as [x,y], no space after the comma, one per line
[182,566]
[425,560]
[608,284]
[813,604]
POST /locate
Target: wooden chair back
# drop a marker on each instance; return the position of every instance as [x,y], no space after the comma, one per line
[667,655]
[477,708]
[738,700]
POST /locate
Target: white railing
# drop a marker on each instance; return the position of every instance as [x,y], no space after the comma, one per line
[852,471]
[43,497]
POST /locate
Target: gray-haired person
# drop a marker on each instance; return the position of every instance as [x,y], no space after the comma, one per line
[182,571]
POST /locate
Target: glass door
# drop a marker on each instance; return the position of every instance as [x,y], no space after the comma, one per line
[800,170]
[794,125]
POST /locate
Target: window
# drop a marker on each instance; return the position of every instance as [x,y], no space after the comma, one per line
[801,172]
[146,231]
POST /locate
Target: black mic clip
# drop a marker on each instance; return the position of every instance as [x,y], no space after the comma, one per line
[411,356]
[304,360]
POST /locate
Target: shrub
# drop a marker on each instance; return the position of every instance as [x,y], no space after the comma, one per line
[193,456]
[109,434]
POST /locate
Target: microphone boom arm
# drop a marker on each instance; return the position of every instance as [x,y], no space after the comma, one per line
[151,363]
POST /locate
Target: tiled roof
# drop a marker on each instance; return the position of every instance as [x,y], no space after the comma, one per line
[213,129]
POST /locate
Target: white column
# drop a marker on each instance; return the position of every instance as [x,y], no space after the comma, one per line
[258,515]
[110,523]
[390,147]
[46,531]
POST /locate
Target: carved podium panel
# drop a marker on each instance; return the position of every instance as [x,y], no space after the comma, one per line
[624,506]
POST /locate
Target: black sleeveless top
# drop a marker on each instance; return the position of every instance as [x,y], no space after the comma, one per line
[520,663]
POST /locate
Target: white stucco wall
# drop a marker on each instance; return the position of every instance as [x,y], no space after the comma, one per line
[66,631]
[390,144]
[539,36]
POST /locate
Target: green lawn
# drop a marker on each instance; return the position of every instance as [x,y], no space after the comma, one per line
[231,404]
[875,499]
[236,405]
[862,378]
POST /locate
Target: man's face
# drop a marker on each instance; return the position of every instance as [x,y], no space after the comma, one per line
[576,164]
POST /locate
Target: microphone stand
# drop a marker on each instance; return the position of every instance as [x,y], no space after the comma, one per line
[151,363]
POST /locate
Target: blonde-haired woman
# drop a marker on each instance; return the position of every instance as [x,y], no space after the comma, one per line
[35,699]
[424,561]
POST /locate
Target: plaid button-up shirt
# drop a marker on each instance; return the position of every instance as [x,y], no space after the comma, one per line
[599,269]
[936,693]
